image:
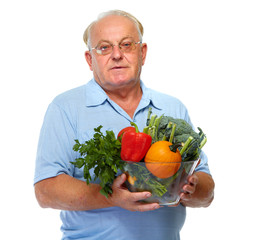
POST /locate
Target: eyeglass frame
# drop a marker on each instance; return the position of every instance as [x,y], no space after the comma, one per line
[112,45]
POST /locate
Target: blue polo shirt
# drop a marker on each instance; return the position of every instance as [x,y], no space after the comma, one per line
[74,115]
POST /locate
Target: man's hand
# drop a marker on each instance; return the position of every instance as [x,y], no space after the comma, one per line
[67,193]
[189,188]
[123,198]
[199,191]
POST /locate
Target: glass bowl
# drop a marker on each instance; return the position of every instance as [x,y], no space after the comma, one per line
[165,191]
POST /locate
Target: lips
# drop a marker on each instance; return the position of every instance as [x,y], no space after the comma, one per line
[117,67]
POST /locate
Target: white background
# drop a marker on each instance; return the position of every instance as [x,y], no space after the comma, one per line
[199,51]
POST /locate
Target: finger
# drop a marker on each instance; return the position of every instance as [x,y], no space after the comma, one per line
[189,189]
[138,196]
[141,207]
[193,179]
[119,180]
[185,197]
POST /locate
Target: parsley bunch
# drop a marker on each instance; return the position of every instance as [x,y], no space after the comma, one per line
[101,153]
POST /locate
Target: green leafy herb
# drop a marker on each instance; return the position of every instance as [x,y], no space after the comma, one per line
[101,153]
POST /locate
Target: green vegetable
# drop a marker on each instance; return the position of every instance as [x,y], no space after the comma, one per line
[176,131]
[145,180]
[101,153]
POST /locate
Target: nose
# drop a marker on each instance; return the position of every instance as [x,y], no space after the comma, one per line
[116,52]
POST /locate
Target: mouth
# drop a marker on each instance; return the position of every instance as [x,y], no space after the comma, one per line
[117,67]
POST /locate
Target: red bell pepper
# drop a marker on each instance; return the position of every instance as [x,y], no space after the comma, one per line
[126,129]
[134,145]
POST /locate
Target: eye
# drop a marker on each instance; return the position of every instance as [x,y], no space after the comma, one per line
[126,45]
[104,47]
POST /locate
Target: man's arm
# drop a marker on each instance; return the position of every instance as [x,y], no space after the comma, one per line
[67,193]
[199,192]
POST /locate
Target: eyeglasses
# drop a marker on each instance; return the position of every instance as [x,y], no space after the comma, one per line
[104,48]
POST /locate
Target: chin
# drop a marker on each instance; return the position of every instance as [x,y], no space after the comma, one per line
[115,82]
[124,82]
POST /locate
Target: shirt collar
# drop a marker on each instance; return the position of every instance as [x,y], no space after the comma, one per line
[149,96]
[95,95]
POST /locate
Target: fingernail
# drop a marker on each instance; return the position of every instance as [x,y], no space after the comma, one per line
[148,195]
[157,206]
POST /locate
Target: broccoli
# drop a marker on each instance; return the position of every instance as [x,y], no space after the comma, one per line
[181,128]
[176,131]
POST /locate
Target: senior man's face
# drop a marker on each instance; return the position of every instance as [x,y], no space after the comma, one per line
[117,69]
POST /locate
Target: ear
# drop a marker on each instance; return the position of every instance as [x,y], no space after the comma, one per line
[89,59]
[144,52]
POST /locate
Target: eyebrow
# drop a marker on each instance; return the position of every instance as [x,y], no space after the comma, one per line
[122,39]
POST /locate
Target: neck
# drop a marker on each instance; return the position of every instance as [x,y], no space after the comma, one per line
[127,98]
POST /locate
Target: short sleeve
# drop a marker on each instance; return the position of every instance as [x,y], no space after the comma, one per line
[56,141]
[203,165]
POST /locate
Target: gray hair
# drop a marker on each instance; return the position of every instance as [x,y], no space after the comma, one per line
[139,26]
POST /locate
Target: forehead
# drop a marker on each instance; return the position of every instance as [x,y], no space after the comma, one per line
[113,28]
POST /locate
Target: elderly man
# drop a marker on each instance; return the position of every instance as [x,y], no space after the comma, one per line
[113,98]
